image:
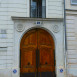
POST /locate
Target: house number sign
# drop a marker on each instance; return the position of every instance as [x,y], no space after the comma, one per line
[38,23]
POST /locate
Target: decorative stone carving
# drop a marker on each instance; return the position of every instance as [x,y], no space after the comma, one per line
[19,27]
[55,28]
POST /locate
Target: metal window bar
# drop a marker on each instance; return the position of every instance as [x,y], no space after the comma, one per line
[38,8]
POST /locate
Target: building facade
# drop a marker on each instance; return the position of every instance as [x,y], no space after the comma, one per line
[29,28]
[71,33]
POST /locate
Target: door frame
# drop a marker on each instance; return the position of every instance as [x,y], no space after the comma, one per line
[59,47]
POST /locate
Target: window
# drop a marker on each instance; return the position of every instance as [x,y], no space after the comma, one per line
[73,1]
[38,8]
[3,33]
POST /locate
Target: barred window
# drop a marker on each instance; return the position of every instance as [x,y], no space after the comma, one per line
[38,8]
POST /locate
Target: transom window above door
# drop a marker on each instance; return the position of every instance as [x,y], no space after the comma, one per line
[38,8]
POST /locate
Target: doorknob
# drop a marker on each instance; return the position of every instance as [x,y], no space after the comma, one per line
[46,63]
[28,63]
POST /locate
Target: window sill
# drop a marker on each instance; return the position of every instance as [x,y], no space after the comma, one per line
[37,19]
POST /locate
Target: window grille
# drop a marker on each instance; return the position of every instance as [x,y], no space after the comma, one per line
[38,8]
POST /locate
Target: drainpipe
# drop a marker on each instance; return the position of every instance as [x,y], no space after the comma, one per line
[65,40]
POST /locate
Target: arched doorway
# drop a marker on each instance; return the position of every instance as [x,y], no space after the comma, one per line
[37,54]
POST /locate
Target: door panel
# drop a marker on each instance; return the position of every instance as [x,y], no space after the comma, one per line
[28,60]
[28,75]
[47,74]
[46,46]
[28,52]
[29,39]
[46,57]
[37,54]
[44,38]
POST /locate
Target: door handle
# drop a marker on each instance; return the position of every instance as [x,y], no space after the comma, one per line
[46,63]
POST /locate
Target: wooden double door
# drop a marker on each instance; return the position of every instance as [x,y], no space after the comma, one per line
[37,54]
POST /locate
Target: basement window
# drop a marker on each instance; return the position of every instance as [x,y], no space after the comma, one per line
[74,2]
[38,8]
